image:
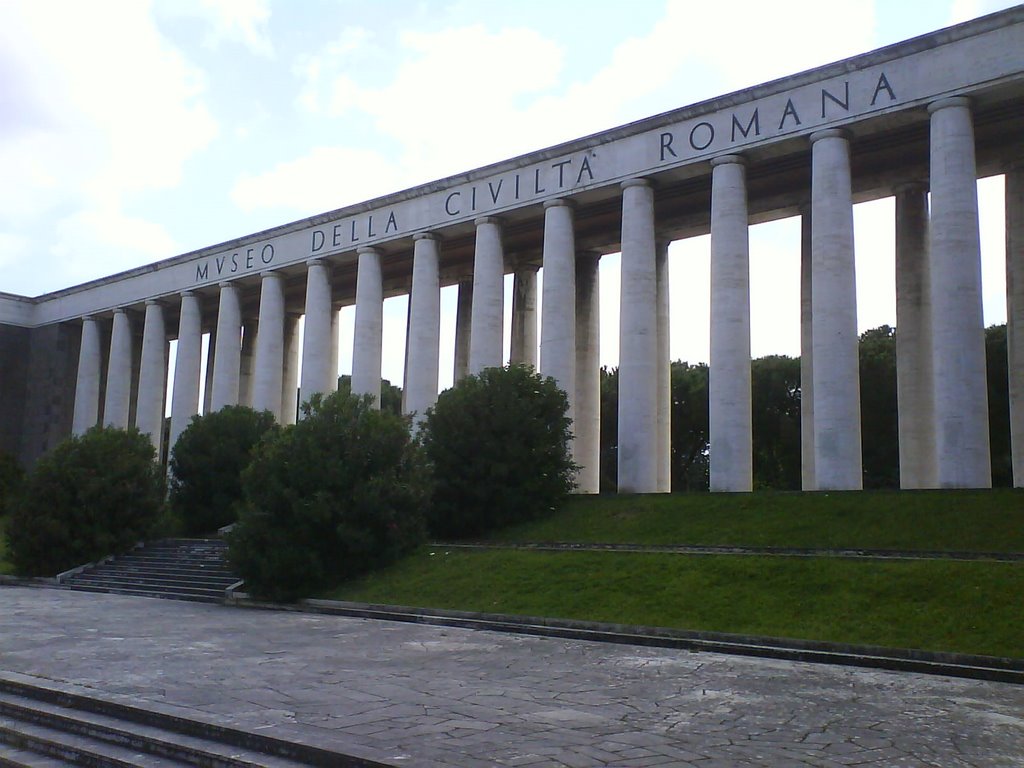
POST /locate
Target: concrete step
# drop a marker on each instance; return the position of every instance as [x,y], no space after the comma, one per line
[166,573]
[165,594]
[74,749]
[160,578]
[184,569]
[51,729]
[22,758]
[44,726]
[168,560]
[154,580]
[181,585]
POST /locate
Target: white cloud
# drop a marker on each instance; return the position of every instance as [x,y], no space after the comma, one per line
[324,179]
[113,110]
[124,241]
[244,22]
[14,249]
[440,133]
[317,71]
[964,10]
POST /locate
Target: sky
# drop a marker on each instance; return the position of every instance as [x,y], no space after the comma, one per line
[133,130]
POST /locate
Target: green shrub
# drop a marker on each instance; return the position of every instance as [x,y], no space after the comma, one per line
[93,495]
[335,495]
[11,478]
[498,443]
[206,466]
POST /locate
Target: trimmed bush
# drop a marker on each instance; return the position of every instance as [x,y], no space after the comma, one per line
[206,466]
[11,478]
[94,495]
[336,495]
[498,443]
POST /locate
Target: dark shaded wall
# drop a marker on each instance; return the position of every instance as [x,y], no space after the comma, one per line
[14,365]
[38,367]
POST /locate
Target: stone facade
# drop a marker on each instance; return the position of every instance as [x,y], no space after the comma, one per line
[935,112]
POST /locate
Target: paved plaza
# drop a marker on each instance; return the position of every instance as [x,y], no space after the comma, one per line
[408,694]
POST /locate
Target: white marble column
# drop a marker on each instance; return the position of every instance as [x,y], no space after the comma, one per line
[290,371]
[638,343]
[423,341]
[119,372]
[87,386]
[486,349]
[227,356]
[463,326]
[807,481]
[523,347]
[664,370]
[247,359]
[1015,315]
[958,333]
[268,358]
[837,444]
[187,367]
[913,339]
[558,332]
[729,375]
[368,339]
[335,344]
[149,412]
[316,338]
[211,351]
[587,422]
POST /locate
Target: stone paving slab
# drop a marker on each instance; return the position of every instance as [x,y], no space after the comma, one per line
[412,694]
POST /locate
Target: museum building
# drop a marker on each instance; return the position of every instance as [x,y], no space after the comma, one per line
[920,121]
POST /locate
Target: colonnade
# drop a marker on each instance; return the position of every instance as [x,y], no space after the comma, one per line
[943,423]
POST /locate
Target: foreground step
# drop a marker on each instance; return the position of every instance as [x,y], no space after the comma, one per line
[36,733]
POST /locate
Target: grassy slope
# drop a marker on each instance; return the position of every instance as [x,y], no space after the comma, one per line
[950,520]
[953,606]
[949,606]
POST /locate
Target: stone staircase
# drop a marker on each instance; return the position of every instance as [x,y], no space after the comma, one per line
[180,569]
[47,728]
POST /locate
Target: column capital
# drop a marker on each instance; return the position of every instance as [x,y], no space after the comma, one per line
[426,236]
[224,284]
[154,303]
[950,101]
[638,182]
[830,133]
[728,159]
[371,249]
[487,220]
[316,261]
[917,185]
[188,294]
[270,273]
[560,202]
[119,310]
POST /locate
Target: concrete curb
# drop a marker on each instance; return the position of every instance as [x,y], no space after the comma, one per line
[991,668]
[678,549]
[28,581]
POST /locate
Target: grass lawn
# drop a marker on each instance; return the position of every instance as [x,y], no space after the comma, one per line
[969,607]
[991,520]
